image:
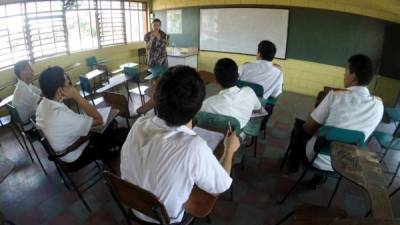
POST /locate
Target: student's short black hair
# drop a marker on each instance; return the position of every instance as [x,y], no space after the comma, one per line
[267,50]
[226,72]
[179,95]
[156,20]
[19,66]
[51,80]
[362,66]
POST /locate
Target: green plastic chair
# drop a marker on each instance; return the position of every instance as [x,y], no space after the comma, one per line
[158,70]
[327,135]
[91,61]
[258,89]
[389,142]
[252,129]
[219,123]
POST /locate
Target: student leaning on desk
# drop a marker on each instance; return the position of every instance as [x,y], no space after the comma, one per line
[64,128]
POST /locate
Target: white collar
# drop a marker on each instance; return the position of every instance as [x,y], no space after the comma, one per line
[162,124]
[233,89]
[362,90]
[261,61]
[52,103]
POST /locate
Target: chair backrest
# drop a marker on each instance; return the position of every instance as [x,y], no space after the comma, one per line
[117,101]
[142,56]
[206,76]
[271,101]
[14,115]
[136,198]
[158,70]
[258,89]
[85,84]
[91,61]
[328,134]
[216,122]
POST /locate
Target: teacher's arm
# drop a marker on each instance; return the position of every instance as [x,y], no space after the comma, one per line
[148,38]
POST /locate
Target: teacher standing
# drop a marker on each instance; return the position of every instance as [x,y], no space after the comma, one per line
[156,45]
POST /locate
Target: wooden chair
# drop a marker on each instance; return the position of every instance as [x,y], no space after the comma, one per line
[138,199]
[206,76]
[31,136]
[66,171]
[119,101]
[142,54]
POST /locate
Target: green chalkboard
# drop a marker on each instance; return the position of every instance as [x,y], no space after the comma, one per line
[314,35]
[390,65]
[190,36]
[332,37]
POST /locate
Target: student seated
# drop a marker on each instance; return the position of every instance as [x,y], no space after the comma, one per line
[263,72]
[231,101]
[26,96]
[63,127]
[354,109]
[163,155]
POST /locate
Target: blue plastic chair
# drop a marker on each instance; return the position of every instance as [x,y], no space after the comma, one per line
[327,135]
[219,123]
[87,90]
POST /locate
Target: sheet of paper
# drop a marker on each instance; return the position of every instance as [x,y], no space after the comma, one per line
[104,112]
[211,137]
[263,112]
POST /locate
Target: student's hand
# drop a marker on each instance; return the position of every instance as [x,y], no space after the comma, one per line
[70,92]
[231,141]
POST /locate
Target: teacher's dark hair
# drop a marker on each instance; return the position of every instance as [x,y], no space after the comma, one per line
[157,20]
[267,50]
[179,95]
[226,72]
[20,66]
[51,80]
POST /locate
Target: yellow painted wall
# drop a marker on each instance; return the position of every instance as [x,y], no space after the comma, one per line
[382,9]
[116,55]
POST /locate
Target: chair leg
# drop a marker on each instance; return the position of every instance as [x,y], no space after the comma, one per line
[26,147]
[19,141]
[255,146]
[76,189]
[384,154]
[394,192]
[208,219]
[394,175]
[120,206]
[285,157]
[294,186]
[285,218]
[334,191]
[63,180]
[37,157]
[127,123]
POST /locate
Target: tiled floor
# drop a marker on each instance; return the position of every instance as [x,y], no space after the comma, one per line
[27,196]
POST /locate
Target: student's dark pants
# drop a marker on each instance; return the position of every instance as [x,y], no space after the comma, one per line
[101,146]
[269,108]
[297,146]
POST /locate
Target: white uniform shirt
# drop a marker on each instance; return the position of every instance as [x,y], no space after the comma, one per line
[168,161]
[236,102]
[354,109]
[26,99]
[264,73]
[62,127]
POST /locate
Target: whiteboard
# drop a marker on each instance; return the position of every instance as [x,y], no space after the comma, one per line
[239,30]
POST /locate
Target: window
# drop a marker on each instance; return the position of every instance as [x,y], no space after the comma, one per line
[81,25]
[111,23]
[174,21]
[135,21]
[45,21]
[35,30]
[13,46]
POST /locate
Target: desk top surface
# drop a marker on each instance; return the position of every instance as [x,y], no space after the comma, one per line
[362,168]
[181,55]
[94,73]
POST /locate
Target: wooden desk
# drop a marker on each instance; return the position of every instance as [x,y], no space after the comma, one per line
[6,167]
[362,168]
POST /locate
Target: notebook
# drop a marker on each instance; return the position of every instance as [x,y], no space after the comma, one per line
[211,137]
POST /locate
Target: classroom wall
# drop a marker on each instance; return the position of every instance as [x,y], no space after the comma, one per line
[306,75]
[115,55]
[381,9]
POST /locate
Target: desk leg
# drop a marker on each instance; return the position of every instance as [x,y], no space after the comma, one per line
[127,90]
